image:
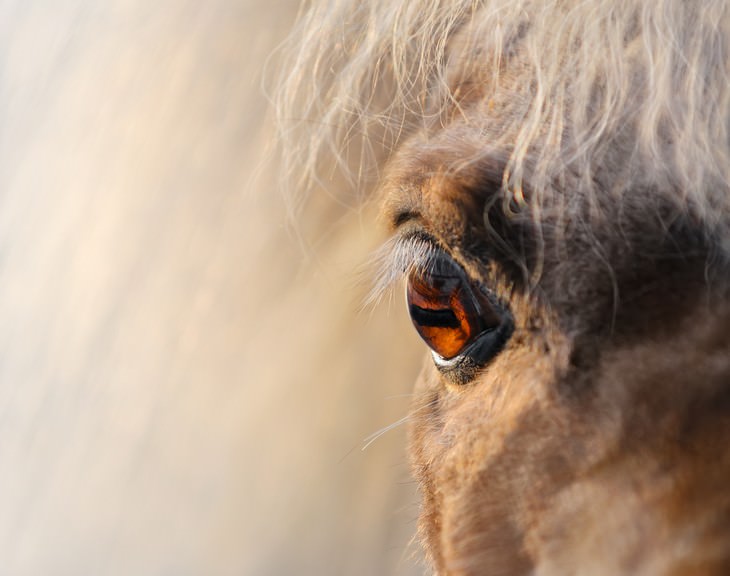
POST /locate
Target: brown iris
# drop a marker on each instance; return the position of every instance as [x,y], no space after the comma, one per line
[447,312]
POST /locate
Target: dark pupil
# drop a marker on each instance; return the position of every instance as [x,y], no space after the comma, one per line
[433,318]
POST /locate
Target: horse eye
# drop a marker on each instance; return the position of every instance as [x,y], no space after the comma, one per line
[447,311]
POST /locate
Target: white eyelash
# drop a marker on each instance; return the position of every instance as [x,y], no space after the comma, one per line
[397,258]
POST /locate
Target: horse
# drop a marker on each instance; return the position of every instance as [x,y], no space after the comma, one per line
[554,176]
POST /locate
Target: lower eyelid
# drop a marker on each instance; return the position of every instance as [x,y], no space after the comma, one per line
[465,367]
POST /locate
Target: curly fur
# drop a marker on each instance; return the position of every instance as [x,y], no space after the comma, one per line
[573,157]
[366,76]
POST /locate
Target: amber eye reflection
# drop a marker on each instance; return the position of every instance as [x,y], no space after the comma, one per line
[446,311]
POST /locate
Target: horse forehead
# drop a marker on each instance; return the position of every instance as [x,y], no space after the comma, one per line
[444,178]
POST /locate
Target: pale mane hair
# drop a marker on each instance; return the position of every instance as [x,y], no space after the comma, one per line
[361,77]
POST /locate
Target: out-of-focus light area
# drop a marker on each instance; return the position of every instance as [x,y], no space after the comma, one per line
[185,383]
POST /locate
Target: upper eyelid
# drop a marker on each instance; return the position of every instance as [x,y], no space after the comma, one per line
[403,217]
[403,253]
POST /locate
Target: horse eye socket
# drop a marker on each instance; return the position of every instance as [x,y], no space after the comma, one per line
[447,312]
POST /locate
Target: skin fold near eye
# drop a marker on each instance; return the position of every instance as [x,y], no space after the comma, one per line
[446,311]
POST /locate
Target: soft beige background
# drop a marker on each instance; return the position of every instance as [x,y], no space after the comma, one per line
[185,385]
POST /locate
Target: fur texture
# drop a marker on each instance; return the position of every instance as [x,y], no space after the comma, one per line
[573,158]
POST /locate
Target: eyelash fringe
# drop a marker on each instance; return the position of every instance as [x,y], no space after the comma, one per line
[396,259]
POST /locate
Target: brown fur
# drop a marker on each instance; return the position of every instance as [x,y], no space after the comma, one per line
[596,442]
[573,157]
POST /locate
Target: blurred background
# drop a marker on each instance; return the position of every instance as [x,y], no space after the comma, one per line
[186,383]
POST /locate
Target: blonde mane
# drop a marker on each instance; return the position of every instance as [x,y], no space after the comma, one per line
[361,77]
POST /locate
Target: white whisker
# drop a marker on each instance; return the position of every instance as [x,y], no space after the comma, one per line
[375,435]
